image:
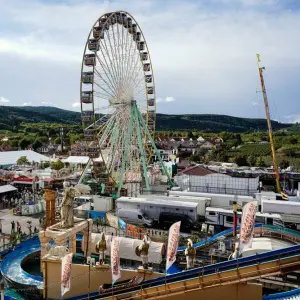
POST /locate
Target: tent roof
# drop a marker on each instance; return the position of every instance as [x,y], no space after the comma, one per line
[76,160]
[11,157]
[7,188]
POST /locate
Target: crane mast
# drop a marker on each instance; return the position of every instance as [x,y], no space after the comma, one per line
[264,92]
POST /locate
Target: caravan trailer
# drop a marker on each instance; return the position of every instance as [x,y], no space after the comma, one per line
[224,217]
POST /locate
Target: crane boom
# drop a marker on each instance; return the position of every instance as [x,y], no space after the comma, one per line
[264,92]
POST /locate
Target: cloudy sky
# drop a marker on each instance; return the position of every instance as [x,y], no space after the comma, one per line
[203,52]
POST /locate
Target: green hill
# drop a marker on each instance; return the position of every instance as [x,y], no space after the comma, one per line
[11,116]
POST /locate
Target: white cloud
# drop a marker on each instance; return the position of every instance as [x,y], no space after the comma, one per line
[4,100]
[27,103]
[253,103]
[206,58]
[292,118]
[166,99]
[76,104]
[47,103]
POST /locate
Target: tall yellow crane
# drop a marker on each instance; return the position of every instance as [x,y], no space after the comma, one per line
[264,92]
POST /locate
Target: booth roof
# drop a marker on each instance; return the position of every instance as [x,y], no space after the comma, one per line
[7,188]
[76,160]
[11,157]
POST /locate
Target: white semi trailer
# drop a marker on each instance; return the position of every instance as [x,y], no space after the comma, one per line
[154,207]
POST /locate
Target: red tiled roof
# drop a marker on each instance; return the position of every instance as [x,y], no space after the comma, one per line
[196,170]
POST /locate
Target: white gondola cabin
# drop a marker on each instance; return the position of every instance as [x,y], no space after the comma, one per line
[93,45]
[87,77]
[150,102]
[140,46]
[147,67]
[137,37]
[87,97]
[98,32]
[150,90]
[148,78]
[132,29]
[87,115]
[90,60]
[128,23]
[144,56]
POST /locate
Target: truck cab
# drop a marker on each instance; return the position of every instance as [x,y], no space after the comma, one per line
[134,216]
[166,219]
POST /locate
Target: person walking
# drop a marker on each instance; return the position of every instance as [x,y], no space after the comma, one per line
[13,226]
[18,227]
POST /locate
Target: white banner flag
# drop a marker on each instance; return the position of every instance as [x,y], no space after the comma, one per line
[247,225]
[112,220]
[115,260]
[174,233]
[66,264]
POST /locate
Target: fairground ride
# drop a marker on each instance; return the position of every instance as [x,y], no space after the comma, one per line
[118,106]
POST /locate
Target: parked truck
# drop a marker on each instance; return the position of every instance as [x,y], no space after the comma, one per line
[152,208]
[203,202]
[289,211]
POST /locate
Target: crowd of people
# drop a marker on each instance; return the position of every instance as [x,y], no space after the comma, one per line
[22,196]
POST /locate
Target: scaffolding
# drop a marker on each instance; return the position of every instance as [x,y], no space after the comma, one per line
[218,184]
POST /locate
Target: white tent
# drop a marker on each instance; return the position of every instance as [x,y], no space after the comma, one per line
[127,248]
[7,188]
[76,160]
[11,157]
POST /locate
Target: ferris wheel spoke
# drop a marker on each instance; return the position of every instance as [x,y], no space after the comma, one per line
[114,56]
[106,69]
[129,51]
[107,81]
[117,52]
[111,65]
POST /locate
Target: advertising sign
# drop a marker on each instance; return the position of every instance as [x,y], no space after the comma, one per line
[247,225]
[173,240]
[66,264]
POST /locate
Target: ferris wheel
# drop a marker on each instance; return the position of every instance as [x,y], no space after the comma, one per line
[117,91]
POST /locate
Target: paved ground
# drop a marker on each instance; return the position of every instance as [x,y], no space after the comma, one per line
[6,219]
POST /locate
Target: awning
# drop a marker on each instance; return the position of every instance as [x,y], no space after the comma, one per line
[48,179]
[25,180]
[7,188]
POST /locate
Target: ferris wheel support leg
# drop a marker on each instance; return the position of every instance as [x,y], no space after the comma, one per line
[143,154]
[153,145]
[127,145]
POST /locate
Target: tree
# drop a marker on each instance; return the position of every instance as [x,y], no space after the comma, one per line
[24,143]
[240,160]
[57,141]
[36,144]
[251,160]
[284,164]
[57,165]
[23,160]
[292,140]
[260,162]
[190,135]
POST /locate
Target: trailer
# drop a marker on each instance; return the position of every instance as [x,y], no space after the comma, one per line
[216,200]
[224,217]
[203,202]
[153,207]
[289,211]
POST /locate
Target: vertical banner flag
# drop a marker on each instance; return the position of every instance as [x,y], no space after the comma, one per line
[115,260]
[66,264]
[112,220]
[247,225]
[173,240]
